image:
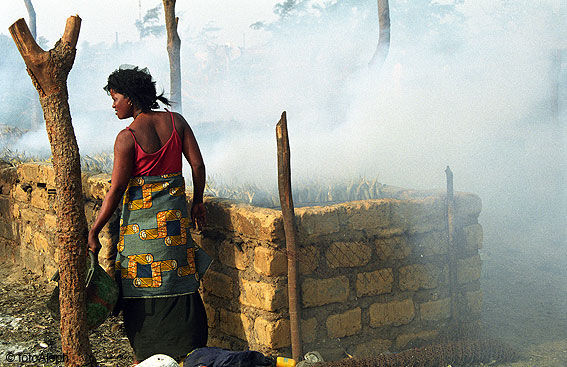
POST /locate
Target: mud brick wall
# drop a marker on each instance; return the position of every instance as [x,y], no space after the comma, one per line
[374,275]
[28,224]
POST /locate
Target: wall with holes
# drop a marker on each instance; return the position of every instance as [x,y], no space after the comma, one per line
[375,275]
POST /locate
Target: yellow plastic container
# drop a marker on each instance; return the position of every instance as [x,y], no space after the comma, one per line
[285,362]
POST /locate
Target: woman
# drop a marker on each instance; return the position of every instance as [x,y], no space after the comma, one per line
[158,265]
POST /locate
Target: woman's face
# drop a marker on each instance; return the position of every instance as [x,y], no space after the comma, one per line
[121,105]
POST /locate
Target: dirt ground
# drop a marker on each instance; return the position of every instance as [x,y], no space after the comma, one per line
[28,333]
[525,305]
[524,284]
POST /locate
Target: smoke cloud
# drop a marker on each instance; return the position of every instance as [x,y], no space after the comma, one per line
[481,91]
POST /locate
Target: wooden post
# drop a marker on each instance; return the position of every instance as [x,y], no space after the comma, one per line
[452,251]
[48,71]
[174,52]
[286,202]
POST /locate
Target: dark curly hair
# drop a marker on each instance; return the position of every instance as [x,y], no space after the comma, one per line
[136,84]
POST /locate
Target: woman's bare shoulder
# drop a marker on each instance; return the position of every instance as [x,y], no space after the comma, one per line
[124,138]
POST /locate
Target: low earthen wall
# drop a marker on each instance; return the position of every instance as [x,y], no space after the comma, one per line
[373,275]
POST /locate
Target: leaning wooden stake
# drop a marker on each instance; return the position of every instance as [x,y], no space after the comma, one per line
[452,249]
[286,202]
[48,71]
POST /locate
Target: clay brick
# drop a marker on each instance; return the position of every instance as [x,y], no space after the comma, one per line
[467,205]
[270,262]
[317,220]
[259,223]
[419,276]
[50,221]
[436,310]
[403,340]
[29,172]
[420,215]
[235,324]
[39,199]
[96,186]
[473,237]
[8,177]
[50,269]
[393,248]
[210,245]
[46,174]
[367,215]
[230,255]
[5,209]
[19,194]
[7,231]
[469,269]
[218,284]
[372,348]
[374,282]
[38,172]
[27,233]
[16,210]
[308,330]
[213,341]
[318,292]
[431,243]
[29,215]
[474,301]
[262,295]
[348,254]
[40,242]
[273,334]
[344,324]
[391,313]
[211,315]
[253,222]
[308,259]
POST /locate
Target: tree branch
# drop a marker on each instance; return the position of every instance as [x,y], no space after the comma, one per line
[72,28]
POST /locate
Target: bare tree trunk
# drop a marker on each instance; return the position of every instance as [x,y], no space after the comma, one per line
[173,49]
[49,71]
[383,46]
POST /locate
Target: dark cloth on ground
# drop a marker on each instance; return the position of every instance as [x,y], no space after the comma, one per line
[170,325]
[217,357]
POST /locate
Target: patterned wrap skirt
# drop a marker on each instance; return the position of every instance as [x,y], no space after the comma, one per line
[159,269]
[156,254]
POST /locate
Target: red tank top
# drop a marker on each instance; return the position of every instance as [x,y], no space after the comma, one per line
[166,160]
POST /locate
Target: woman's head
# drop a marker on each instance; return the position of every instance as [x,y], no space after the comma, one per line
[137,85]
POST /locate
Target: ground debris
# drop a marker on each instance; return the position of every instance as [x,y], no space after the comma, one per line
[30,336]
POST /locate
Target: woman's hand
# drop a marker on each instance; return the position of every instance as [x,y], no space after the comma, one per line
[94,243]
[199,215]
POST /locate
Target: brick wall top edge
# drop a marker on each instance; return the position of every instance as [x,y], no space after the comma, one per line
[266,223]
[250,221]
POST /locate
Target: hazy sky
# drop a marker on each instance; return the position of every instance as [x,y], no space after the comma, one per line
[102,19]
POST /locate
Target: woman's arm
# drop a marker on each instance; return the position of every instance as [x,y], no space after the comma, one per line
[121,172]
[193,155]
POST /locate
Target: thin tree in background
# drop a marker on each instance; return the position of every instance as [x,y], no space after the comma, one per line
[174,52]
[48,71]
[36,112]
[150,24]
[31,14]
[383,46]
